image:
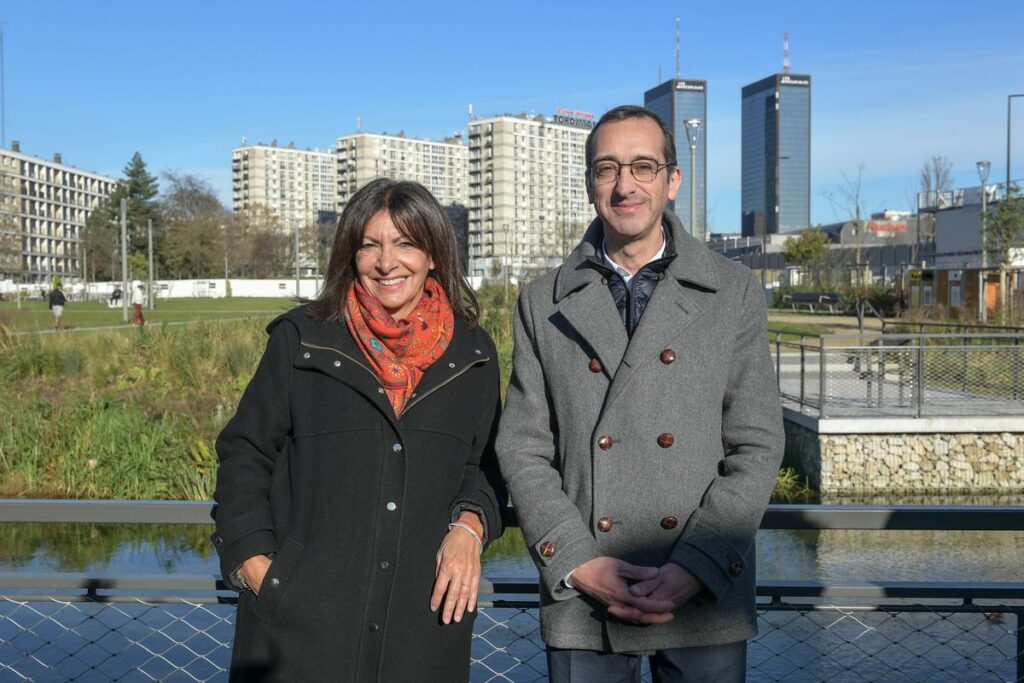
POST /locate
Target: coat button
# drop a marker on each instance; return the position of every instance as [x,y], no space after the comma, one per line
[374,628]
[380,390]
[547,549]
[306,355]
[337,363]
[384,564]
[736,568]
[396,447]
[391,506]
[605,524]
[667,356]
[669,522]
[605,442]
[666,440]
[595,365]
[275,582]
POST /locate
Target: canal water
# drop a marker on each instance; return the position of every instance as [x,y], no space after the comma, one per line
[830,556]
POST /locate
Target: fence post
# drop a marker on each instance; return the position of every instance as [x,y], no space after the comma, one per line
[822,398]
[803,348]
[1020,646]
[920,374]
[1016,368]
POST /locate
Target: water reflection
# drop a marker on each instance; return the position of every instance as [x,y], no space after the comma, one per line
[830,556]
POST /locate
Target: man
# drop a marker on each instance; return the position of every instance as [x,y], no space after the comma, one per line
[642,431]
[57,302]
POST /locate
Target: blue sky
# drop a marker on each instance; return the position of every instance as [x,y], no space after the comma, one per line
[182,82]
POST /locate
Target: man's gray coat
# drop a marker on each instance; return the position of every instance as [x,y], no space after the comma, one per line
[662,447]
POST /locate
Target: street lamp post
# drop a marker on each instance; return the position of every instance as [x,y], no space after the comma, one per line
[692,129]
[983,169]
[1009,101]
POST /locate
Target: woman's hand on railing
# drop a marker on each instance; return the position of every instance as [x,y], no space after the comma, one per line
[457,572]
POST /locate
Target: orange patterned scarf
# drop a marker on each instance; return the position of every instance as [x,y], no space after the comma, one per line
[400,351]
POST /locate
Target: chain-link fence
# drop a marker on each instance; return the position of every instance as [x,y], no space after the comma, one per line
[903,375]
[84,638]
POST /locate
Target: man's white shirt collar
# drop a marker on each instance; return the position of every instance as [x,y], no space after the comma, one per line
[626,275]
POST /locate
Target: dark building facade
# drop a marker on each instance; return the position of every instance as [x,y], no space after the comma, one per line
[776,155]
[675,102]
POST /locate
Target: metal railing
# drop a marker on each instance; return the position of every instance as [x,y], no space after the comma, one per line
[56,627]
[901,375]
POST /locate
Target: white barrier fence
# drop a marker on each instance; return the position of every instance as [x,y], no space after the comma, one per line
[177,289]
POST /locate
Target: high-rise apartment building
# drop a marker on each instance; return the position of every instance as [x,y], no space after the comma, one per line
[527,200]
[776,155]
[43,208]
[296,184]
[676,102]
[440,166]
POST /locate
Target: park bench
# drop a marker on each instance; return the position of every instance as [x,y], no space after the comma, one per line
[811,299]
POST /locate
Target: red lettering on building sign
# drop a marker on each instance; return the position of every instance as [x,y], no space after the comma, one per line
[880,226]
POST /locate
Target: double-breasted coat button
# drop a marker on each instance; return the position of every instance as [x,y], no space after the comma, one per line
[396,447]
[306,355]
[337,363]
[605,442]
[669,522]
[275,582]
[605,524]
[666,440]
[736,568]
[391,506]
[667,356]
[374,628]
[595,365]
[547,549]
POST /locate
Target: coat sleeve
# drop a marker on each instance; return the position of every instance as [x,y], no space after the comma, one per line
[248,449]
[527,445]
[718,536]
[483,490]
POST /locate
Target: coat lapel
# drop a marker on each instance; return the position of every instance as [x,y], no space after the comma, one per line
[583,300]
[592,314]
[678,300]
[670,311]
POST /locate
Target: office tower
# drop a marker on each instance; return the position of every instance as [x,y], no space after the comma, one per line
[43,208]
[676,102]
[776,155]
[528,204]
[440,166]
[296,184]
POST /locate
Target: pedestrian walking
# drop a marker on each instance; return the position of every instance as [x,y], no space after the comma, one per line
[57,301]
[138,299]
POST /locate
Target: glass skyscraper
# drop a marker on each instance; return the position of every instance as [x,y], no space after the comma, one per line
[776,156]
[674,102]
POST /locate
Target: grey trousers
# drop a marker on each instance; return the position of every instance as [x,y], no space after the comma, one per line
[712,664]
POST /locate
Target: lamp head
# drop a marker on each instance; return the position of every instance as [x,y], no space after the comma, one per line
[983,169]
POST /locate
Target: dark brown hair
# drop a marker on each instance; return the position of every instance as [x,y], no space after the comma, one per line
[420,219]
[631,111]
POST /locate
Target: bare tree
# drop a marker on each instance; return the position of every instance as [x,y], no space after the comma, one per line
[847,203]
[936,174]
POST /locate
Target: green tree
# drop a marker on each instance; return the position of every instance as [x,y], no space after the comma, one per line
[809,250]
[141,188]
[102,233]
[1004,230]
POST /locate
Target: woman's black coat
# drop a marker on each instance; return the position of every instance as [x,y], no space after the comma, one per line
[353,503]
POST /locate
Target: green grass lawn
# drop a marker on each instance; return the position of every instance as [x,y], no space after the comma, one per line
[35,315]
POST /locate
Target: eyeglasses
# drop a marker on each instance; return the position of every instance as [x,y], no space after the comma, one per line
[643,170]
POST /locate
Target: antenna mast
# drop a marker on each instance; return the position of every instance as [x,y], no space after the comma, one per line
[785,52]
[679,73]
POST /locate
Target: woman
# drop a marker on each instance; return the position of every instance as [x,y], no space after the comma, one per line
[357,482]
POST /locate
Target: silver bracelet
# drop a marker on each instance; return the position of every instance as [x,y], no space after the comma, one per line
[473,533]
